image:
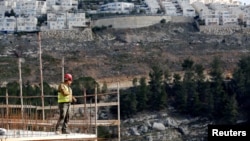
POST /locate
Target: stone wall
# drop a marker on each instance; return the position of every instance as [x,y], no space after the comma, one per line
[83,35]
[223,30]
[130,21]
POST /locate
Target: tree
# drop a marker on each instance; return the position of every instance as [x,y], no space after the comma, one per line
[241,77]
[128,103]
[231,110]
[219,95]
[104,87]
[87,83]
[142,95]
[9,14]
[203,90]
[180,96]
[13,90]
[156,90]
[190,87]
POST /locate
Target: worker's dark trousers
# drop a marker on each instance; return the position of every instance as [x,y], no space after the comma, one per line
[62,123]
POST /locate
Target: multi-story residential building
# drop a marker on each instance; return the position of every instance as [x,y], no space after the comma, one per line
[2,13]
[209,16]
[246,18]
[69,3]
[235,2]
[226,15]
[41,7]
[13,24]
[169,7]
[30,8]
[76,20]
[64,5]
[186,8]
[8,24]
[117,7]
[62,21]
[153,6]
[26,24]
[56,21]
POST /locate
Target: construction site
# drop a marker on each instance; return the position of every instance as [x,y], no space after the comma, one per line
[26,122]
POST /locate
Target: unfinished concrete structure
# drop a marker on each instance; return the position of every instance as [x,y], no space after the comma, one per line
[27,122]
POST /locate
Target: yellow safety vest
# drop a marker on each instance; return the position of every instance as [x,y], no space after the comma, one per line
[65,98]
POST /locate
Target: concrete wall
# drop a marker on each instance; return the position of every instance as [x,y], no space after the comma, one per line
[138,21]
[130,21]
[181,19]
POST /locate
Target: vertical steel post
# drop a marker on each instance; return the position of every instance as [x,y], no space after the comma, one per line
[118,110]
[41,74]
[20,84]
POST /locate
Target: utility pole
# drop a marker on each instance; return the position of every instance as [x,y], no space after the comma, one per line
[41,73]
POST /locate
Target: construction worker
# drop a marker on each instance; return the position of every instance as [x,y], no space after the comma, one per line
[65,98]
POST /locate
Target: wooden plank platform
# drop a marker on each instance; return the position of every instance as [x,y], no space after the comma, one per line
[53,122]
[22,135]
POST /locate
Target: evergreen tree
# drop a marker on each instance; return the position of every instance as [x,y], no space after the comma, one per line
[155,87]
[104,87]
[242,81]
[2,93]
[87,83]
[219,95]
[13,90]
[203,91]
[231,110]
[180,96]
[128,103]
[190,86]
[142,95]
[133,102]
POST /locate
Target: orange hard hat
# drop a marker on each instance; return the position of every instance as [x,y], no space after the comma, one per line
[68,77]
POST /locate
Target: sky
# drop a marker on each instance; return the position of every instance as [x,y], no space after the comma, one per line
[245,1]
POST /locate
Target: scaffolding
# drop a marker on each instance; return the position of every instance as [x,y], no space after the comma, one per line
[38,122]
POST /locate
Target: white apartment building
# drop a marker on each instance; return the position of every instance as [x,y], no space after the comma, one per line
[169,7]
[62,21]
[2,12]
[63,5]
[187,9]
[76,20]
[12,24]
[117,7]
[8,24]
[69,3]
[31,8]
[7,5]
[210,17]
[246,18]
[41,7]
[235,2]
[26,24]
[153,6]
[56,21]
[226,15]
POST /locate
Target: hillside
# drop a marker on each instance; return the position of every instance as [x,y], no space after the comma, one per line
[119,54]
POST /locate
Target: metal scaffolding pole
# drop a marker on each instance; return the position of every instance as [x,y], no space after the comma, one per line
[41,73]
[118,110]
